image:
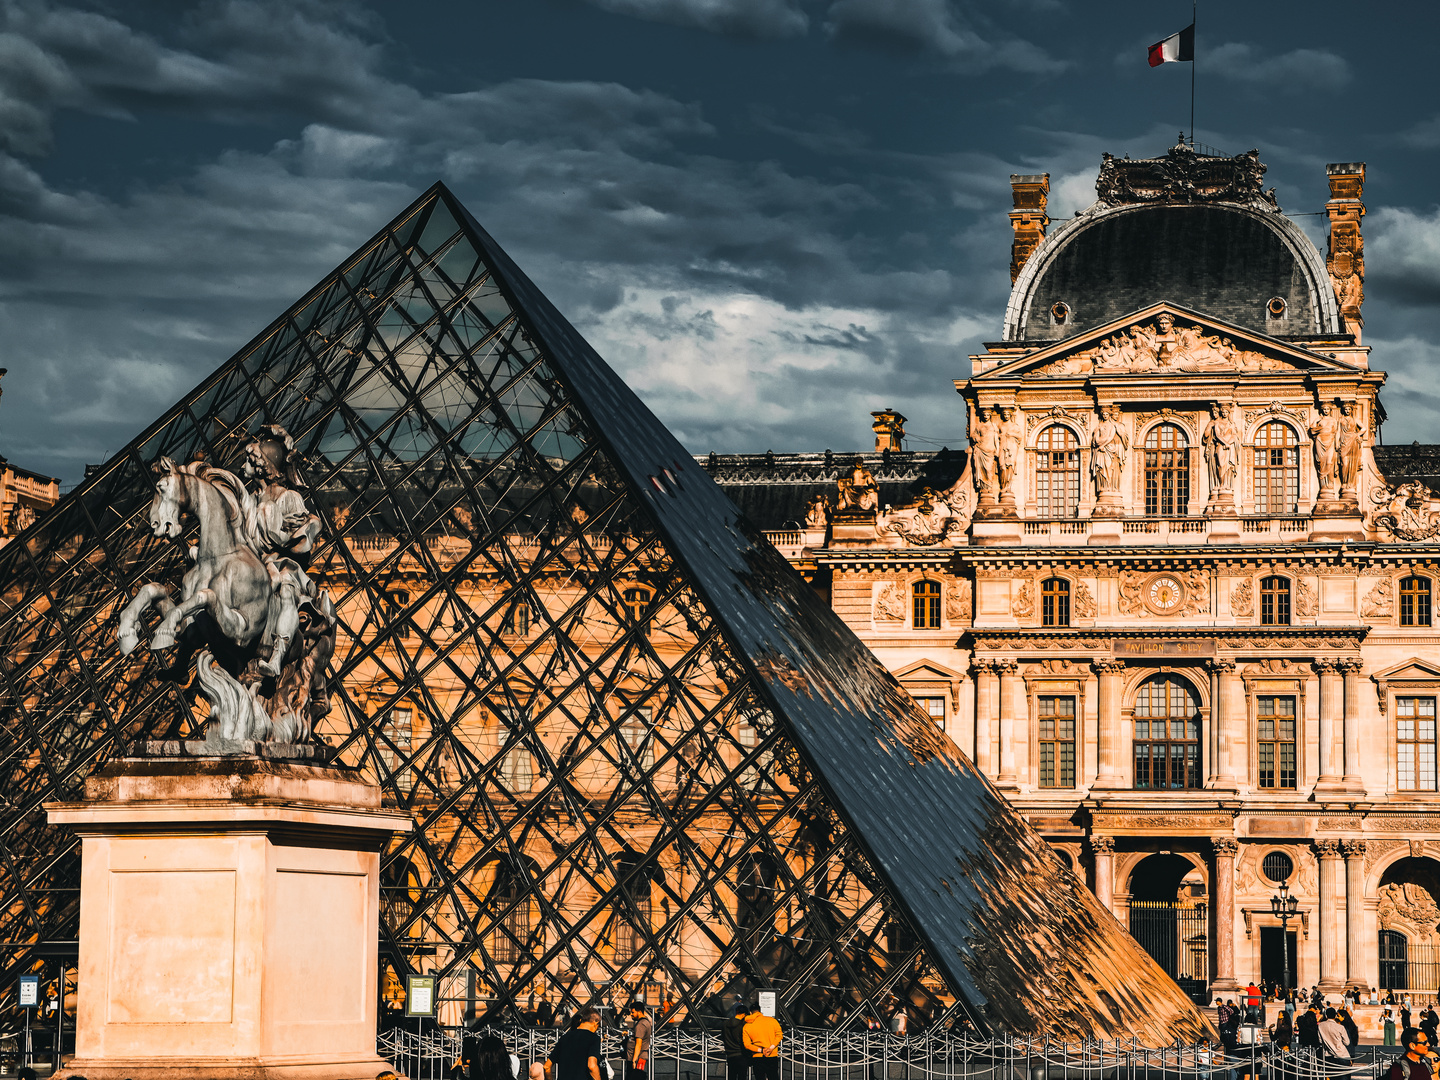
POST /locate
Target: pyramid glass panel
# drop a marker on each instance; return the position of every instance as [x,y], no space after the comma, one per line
[642,757]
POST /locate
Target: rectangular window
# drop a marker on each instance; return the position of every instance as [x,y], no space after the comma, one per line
[398,600]
[517,621]
[1415,601]
[933,707]
[1057,742]
[1415,743]
[397,733]
[639,747]
[1275,734]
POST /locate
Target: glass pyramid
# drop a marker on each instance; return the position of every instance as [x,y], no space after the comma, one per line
[643,757]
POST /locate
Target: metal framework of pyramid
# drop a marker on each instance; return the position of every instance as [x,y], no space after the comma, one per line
[644,758]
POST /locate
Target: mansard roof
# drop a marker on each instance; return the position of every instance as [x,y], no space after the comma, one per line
[1201,345]
[1194,228]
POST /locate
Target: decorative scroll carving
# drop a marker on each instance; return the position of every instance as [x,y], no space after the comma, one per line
[1102,845]
[1273,665]
[1376,850]
[1352,849]
[1417,849]
[1379,602]
[1055,666]
[1083,603]
[958,602]
[1242,598]
[1035,419]
[890,603]
[1407,514]
[1109,667]
[1224,846]
[1185,177]
[1162,346]
[1327,849]
[928,521]
[1301,417]
[1024,605]
[1405,823]
[1307,603]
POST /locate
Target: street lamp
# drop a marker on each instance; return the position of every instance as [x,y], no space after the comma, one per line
[1285,907]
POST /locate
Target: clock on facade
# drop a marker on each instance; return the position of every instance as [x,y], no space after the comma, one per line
[1164,594]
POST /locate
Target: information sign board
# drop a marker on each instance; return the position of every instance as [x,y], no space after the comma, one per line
[767,1002]
[29,991]
[420,995]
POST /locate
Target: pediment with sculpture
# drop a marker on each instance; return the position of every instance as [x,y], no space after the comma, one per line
[1163,340]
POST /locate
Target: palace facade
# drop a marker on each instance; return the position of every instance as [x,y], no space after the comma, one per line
[1176,601]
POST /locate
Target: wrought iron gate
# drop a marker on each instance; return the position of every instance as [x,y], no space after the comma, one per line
[1175,936]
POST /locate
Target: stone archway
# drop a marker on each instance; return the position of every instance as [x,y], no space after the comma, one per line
[1169,915]
[1408,916]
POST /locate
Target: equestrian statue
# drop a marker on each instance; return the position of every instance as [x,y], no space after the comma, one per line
[259,632]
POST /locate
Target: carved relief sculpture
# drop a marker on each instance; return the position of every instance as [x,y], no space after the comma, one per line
[1379,602]
[273,627]
[858,494]
[1183,176]
[1083,603]
[1024,605]
[929,520]
[1407,514]
[1306,602]
[1221,440]
[1325,436]
[1109,446]
[985,439]
[1242,598]
[890,603]
[1163,346]
[957,602]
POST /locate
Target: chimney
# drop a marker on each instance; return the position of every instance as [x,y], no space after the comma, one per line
[1028,219]
[889,428]
[1346,258]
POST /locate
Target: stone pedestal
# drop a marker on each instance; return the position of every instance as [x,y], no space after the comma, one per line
[985,532]
[1336,521]
[228,920]
[852,527]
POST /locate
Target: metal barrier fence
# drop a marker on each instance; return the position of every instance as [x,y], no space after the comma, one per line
[824,1055]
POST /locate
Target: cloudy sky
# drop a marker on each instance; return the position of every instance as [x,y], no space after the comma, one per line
[772,216]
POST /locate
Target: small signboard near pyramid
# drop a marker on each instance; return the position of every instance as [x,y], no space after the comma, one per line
[642,757]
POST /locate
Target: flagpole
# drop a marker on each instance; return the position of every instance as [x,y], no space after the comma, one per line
[1193,62]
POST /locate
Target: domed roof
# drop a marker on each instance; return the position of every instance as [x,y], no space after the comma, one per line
[1189,229]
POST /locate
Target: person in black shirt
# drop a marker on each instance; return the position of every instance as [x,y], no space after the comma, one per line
[732,1037]
[1418,1061]
[577,1053]
[1307,1028]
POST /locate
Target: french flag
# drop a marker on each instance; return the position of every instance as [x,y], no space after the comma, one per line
[1179,46]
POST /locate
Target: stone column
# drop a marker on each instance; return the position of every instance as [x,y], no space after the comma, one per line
[1222,769]
[1109,736]
[984,733]
[1331,717]
[1350,667]
[1008,680]
[1354,852]
[1103,849]
[1328,852]
[1225,848]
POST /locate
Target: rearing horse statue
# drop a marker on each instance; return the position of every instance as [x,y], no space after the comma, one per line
[227,579]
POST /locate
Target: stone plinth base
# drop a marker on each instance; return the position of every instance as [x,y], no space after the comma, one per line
[985,533]
[1336,522]
[228,920]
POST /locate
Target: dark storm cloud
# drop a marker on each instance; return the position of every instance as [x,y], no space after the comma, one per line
[749,18]
[940,27]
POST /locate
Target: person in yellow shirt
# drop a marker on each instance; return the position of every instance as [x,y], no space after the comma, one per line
[762,1039]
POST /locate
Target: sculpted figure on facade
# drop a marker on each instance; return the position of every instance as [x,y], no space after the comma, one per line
[1379,602]
[985,449]
[1109,447]
[1221,439]
[927,520]
[1325,436]
[1351,443]
[1012,443]
[817,514]
[262,654]
[858,491]
[890,602]
[1165,346]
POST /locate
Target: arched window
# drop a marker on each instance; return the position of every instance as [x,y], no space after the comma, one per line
[1415,601]
[926,597]
[1167,471]
[1057,472]
[1275,601]
[1167,734]
[1055,602]
[1277,469]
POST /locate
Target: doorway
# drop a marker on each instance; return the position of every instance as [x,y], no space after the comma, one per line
[1272,956]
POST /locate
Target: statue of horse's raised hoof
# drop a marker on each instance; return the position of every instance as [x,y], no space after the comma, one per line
[127,640]
[161,639]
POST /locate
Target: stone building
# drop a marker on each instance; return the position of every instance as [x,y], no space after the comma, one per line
[1176,601]
[24,495]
